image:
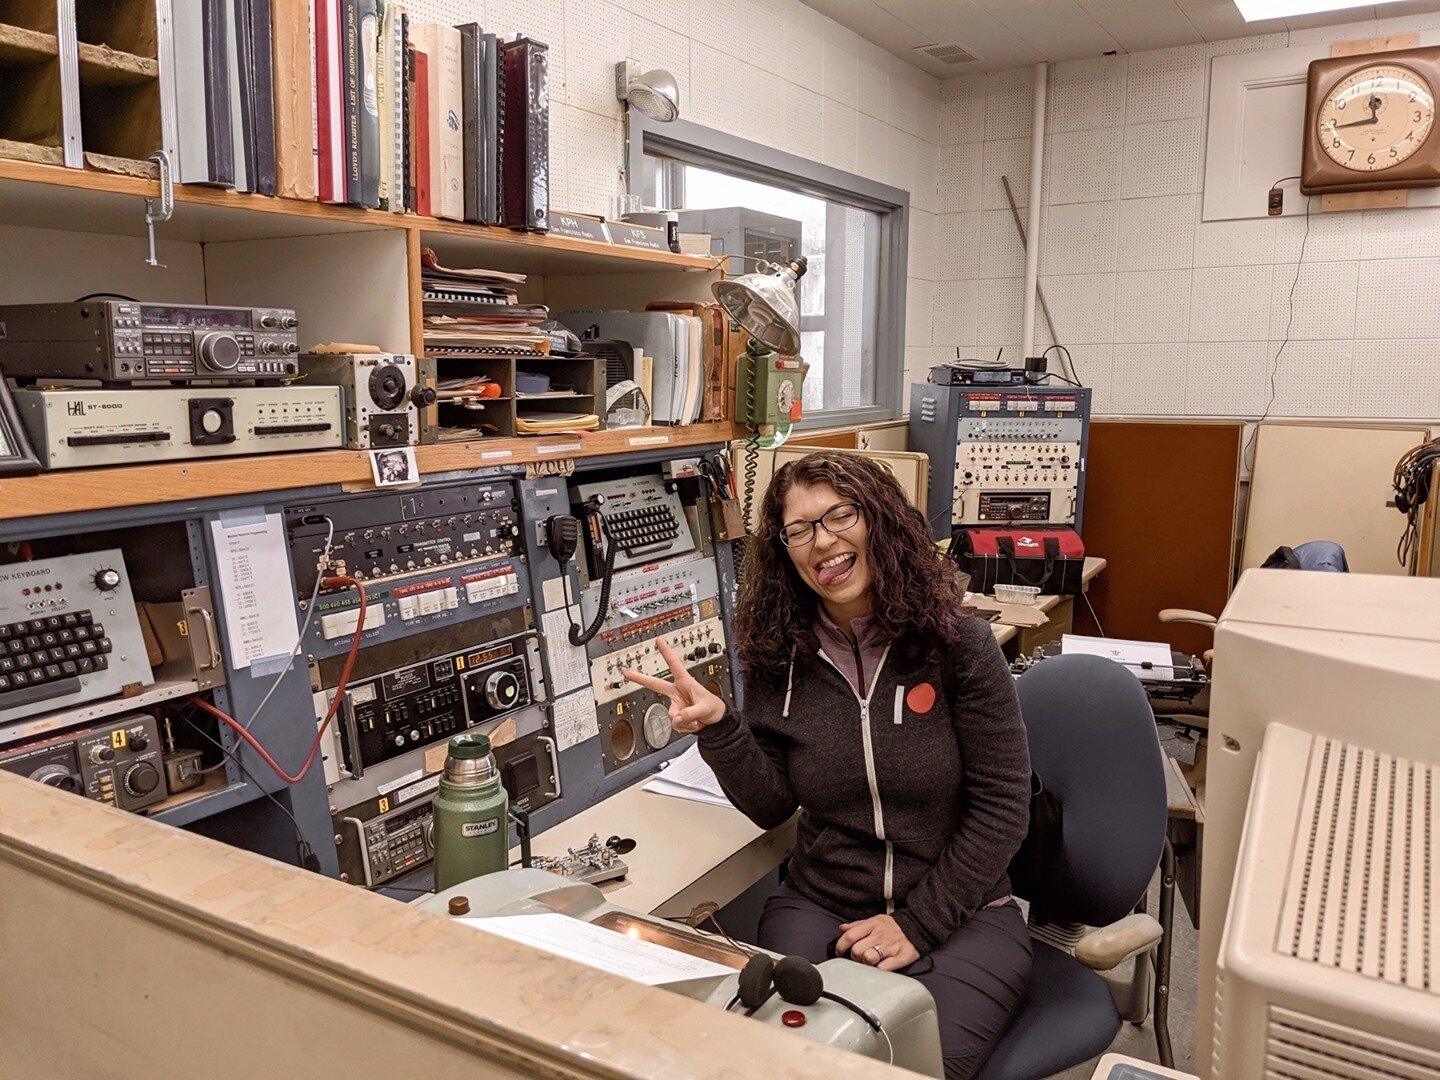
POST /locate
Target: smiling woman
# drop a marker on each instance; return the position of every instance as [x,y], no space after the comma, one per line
[889,718]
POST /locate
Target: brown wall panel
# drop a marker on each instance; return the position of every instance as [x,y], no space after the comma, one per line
[1160,507]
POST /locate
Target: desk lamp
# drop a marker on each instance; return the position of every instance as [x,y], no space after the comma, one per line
[770,375]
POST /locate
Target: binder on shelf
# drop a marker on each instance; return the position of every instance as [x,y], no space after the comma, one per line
[526,177]
[242,104]
[257,77]
[329,104]
[350,97]
[478,52]
[420,116]
[390,100]
[367,105]
[199,72]
[293,84]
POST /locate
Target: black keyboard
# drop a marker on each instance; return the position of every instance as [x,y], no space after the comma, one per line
[649,528]
[44,658]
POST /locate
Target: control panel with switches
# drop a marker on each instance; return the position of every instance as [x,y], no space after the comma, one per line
[653,601]
[1000,455]
[702,642]
[119,763]
[638,724]
[418,704]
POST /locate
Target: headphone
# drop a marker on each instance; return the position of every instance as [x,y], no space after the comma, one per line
[796,980]
[1411,483]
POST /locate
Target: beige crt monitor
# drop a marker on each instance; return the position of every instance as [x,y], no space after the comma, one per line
[1321,871]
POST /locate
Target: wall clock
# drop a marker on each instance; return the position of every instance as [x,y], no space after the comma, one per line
[1370,122]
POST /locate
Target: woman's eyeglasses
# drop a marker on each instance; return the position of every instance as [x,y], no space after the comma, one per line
[836,520]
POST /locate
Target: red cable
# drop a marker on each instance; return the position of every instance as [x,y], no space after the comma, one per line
[243,732]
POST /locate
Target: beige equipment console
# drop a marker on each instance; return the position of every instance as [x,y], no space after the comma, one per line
[904,1008]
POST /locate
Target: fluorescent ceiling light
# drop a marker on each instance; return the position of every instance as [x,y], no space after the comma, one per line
[1255,10]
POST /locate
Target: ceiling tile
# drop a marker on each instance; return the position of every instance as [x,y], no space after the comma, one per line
[1057,29]
[1149,24]
[966,23]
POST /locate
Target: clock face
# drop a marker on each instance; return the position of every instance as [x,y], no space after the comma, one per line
[1376,117]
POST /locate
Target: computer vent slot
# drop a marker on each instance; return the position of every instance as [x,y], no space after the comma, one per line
[1299,1047]
[1362,887]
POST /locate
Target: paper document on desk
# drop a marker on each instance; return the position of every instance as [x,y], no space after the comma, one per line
[688,777]
[1146,659]
[596,947]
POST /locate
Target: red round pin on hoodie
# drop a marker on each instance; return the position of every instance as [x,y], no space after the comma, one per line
[921,698]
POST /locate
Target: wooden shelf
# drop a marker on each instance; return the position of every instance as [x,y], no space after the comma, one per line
[50,196]
[186,481]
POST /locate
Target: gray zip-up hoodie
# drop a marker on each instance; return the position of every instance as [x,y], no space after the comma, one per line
[908,810]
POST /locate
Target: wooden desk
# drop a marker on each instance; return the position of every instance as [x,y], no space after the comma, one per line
[685,852]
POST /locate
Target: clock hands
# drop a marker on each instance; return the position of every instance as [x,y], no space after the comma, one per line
[1373,118]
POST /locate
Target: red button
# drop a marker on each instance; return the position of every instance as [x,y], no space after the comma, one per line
[792,1018]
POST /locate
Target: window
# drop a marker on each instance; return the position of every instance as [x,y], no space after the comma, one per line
[756,202]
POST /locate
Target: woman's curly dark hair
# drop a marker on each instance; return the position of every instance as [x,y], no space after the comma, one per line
[917,593]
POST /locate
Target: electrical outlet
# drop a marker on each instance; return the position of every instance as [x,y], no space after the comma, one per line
[1277,201]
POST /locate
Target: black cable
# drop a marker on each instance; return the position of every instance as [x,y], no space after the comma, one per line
[303,851]
[97,295]
[1069,362]
[1289,323]
[602,608]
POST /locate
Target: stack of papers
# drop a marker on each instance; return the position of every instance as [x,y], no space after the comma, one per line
[688,777]
[1144,659]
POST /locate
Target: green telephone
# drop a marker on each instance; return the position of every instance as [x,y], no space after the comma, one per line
[769,388]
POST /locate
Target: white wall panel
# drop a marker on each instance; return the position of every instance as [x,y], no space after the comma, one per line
[1168,84]
[962,169]
[1084,166]
[903,102]
[1083,307]
[804,123]
[542,20]
[1312,378]
[838,149]
[671,14]
[654,45]
[924,227]
[958,247]
[925,193]
[593,165]
[1157,234]
[1395,379]
[842,50]
[962,111]
[1162,159]
[1399,234]
[1149,380]
[597,34]
[1009,158]
[955,314]
[1009,103]
[919,311]
[1078,238]
[1230,304]
[1152,306]
[872,148]
[804,45]
[1331,237]
[1245,242]
[1086,94]
[998,317]
[1226,378]
[1399,298]
[900,160]
[1001,253]
[1315,301]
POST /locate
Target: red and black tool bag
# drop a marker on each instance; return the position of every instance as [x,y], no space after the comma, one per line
[1050,559]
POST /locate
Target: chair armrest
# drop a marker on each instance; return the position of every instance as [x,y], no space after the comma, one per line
[1106,947]
[1176,614]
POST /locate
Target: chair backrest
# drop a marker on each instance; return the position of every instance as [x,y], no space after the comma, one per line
[1324,555]
[1094,746]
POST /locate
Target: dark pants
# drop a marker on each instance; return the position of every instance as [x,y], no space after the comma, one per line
[977,978]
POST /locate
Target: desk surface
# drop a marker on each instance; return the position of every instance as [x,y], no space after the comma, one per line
[685,852]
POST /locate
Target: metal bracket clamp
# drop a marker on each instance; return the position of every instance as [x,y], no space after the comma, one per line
[161,211]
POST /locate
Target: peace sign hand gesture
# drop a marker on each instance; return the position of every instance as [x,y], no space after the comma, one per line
[692,707]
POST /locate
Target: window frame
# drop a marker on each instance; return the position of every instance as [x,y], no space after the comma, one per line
[705,147]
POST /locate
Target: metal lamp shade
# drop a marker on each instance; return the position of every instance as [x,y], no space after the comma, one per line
[656,94]
[764,304]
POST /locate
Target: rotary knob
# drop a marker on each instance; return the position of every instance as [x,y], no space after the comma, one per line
[219,352]
[101,754]
[211,421]
[138,742]
[502,689]
[268,321]
[56,776]
[657,726]
[289,322]
[107,580]
[141,779]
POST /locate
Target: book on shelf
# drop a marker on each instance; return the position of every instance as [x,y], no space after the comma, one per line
[199,71]
[420,151]
[390,102]
[526,167]
[329,103]
[292,33]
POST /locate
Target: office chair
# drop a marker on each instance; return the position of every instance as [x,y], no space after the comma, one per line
[1093,745]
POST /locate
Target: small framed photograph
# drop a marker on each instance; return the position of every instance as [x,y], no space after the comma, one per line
[17,456]
[394,468]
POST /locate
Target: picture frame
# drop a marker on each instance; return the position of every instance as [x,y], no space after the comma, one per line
[17,456]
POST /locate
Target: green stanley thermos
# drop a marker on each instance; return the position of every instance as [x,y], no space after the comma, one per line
[471,814]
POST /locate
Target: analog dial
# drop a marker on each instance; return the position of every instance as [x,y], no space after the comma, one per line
[1376,117]
[657,726]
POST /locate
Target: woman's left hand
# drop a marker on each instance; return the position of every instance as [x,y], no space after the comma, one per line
[877,941]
